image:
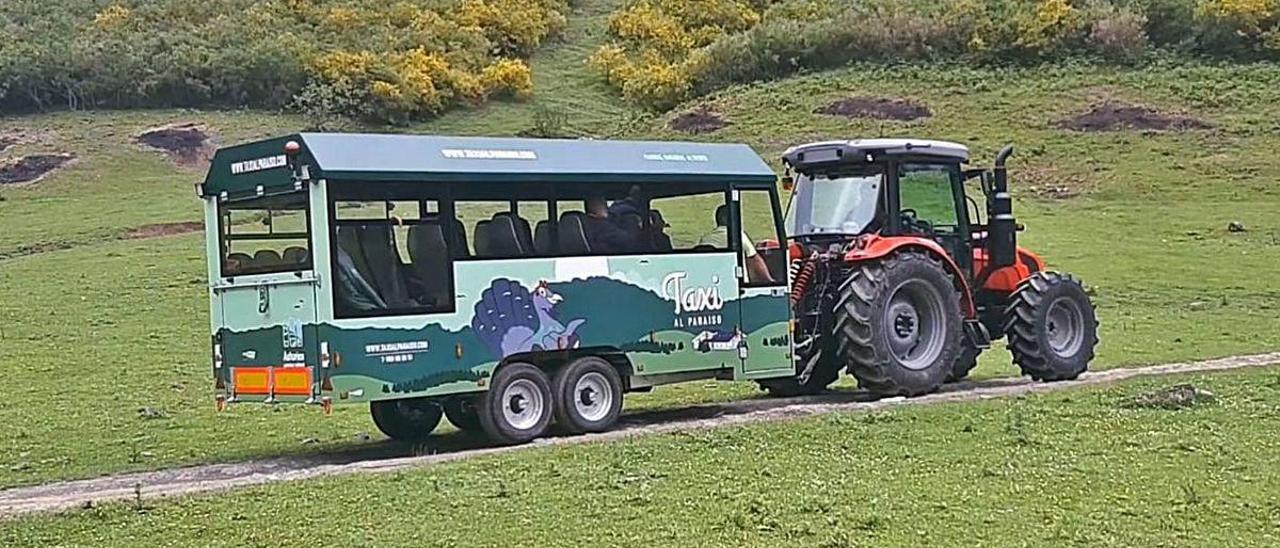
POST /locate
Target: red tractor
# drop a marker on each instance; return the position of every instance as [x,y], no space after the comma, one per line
[899,277]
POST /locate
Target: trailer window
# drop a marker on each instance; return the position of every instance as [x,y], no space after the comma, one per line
[390,257]
[265,235]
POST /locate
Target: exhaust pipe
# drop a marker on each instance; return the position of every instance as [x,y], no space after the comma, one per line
[1002,237]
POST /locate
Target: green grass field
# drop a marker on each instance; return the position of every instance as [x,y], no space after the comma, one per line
[92,333]
[1082,467]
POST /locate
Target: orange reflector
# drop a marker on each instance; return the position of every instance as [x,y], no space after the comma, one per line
[251,380]
[293,381]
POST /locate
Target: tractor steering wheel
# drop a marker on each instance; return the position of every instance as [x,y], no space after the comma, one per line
[912,223]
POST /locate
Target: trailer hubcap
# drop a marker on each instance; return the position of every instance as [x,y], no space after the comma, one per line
[523,404]
[916,324]
[1065,327]
[593,399]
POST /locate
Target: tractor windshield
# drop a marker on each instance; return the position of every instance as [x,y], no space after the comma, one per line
[840,204]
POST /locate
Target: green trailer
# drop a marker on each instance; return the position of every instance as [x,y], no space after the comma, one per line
[507,284]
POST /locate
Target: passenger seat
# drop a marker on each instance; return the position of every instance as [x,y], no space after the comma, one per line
[542,242]
[378,243]
[430,257]
[504,237]
[523,234]
[481,238]
[573,234]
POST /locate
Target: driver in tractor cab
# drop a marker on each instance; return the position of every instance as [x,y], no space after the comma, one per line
[757,270]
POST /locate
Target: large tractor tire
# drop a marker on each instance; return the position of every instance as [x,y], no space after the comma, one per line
[408,420]
[819,360]
[966,360]
[898,324]
[1051,326]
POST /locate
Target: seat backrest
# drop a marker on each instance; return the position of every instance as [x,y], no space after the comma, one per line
[481,239]
[523,233]
[430,257]
[573,234]
[378,243]
[295,255]
[238,262]
[349,241]
[542,242]
[504,237]
[460,247]
[266,258]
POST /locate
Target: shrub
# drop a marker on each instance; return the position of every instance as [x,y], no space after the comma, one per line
[664,51]
[1119,35]
[385,61]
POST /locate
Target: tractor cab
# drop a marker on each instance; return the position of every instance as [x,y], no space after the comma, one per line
[885,187]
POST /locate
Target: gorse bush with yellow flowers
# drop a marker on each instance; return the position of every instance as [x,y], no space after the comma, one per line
[379,60]
[664,51]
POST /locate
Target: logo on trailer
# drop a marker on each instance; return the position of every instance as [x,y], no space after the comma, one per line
[259,164]
[695,306]
[487,154]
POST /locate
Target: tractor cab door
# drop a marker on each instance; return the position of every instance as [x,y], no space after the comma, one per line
[932,203]
[764,305]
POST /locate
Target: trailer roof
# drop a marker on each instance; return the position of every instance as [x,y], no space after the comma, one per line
[381,158]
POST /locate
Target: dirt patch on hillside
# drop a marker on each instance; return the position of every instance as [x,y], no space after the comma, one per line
[7,140]
[161,229]
[699,120]
[878,108]
[188,144]
[31,169]
[1114,115]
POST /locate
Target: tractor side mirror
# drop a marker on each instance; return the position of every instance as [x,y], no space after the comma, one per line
[988,182]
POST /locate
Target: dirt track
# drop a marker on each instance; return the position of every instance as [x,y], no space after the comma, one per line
[199,479]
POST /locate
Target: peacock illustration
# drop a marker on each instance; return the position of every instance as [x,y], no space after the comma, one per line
[510,319]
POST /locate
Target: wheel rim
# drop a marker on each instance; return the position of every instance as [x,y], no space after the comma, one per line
[592,398]
[915,324]
[1065,327]
[523,404]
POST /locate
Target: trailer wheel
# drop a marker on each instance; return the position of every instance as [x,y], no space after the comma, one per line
[898,324]
[518,406]
[1051,326]
[408,420]
[966,360]
[463,413]
[588,395]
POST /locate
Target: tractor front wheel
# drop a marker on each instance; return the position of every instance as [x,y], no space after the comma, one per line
[966,360]
[898,324]
[1051,327]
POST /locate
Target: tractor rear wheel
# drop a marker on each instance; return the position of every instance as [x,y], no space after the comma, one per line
[898,324]
[410,420]
[1051,326]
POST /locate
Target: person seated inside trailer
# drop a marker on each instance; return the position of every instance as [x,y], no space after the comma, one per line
[603,233]
[757,270]
[658,238]
[633,204]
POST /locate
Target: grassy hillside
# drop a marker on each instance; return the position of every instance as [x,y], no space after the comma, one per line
[94,333]
[1097,467]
